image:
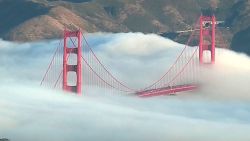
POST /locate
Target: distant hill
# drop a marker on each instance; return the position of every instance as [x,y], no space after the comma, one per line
[239,20]
[29,20]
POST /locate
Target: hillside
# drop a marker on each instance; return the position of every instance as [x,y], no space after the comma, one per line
[239,20]
[29,20]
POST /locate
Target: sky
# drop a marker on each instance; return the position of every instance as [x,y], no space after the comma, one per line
[219,111]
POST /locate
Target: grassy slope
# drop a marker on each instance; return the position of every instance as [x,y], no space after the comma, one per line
[15,12]
[241,41]
[105,15]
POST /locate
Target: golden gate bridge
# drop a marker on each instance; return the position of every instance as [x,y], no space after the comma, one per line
[76,68]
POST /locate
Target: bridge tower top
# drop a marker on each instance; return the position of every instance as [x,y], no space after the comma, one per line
[72,47]
[207,38]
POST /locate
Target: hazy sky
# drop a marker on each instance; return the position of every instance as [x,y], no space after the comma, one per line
[219,111]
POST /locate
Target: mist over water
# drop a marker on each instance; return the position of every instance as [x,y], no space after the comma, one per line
[219,111]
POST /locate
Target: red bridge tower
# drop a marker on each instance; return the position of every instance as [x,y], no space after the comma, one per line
[207,38]
[69,49]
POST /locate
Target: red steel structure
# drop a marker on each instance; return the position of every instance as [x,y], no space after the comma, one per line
[181,76]
[76,68]
[207,37]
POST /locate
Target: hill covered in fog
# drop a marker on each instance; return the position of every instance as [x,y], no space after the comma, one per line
[29,20]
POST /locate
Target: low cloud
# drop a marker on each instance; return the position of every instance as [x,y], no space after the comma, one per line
[219,111]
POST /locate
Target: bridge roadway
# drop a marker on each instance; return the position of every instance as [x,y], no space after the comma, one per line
[167,90]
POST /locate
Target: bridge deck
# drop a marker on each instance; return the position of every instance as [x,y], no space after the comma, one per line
[167,90]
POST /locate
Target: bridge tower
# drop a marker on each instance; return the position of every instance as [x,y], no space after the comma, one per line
[72,47]
[207,38]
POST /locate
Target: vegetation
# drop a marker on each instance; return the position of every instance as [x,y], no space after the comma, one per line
[42,19]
